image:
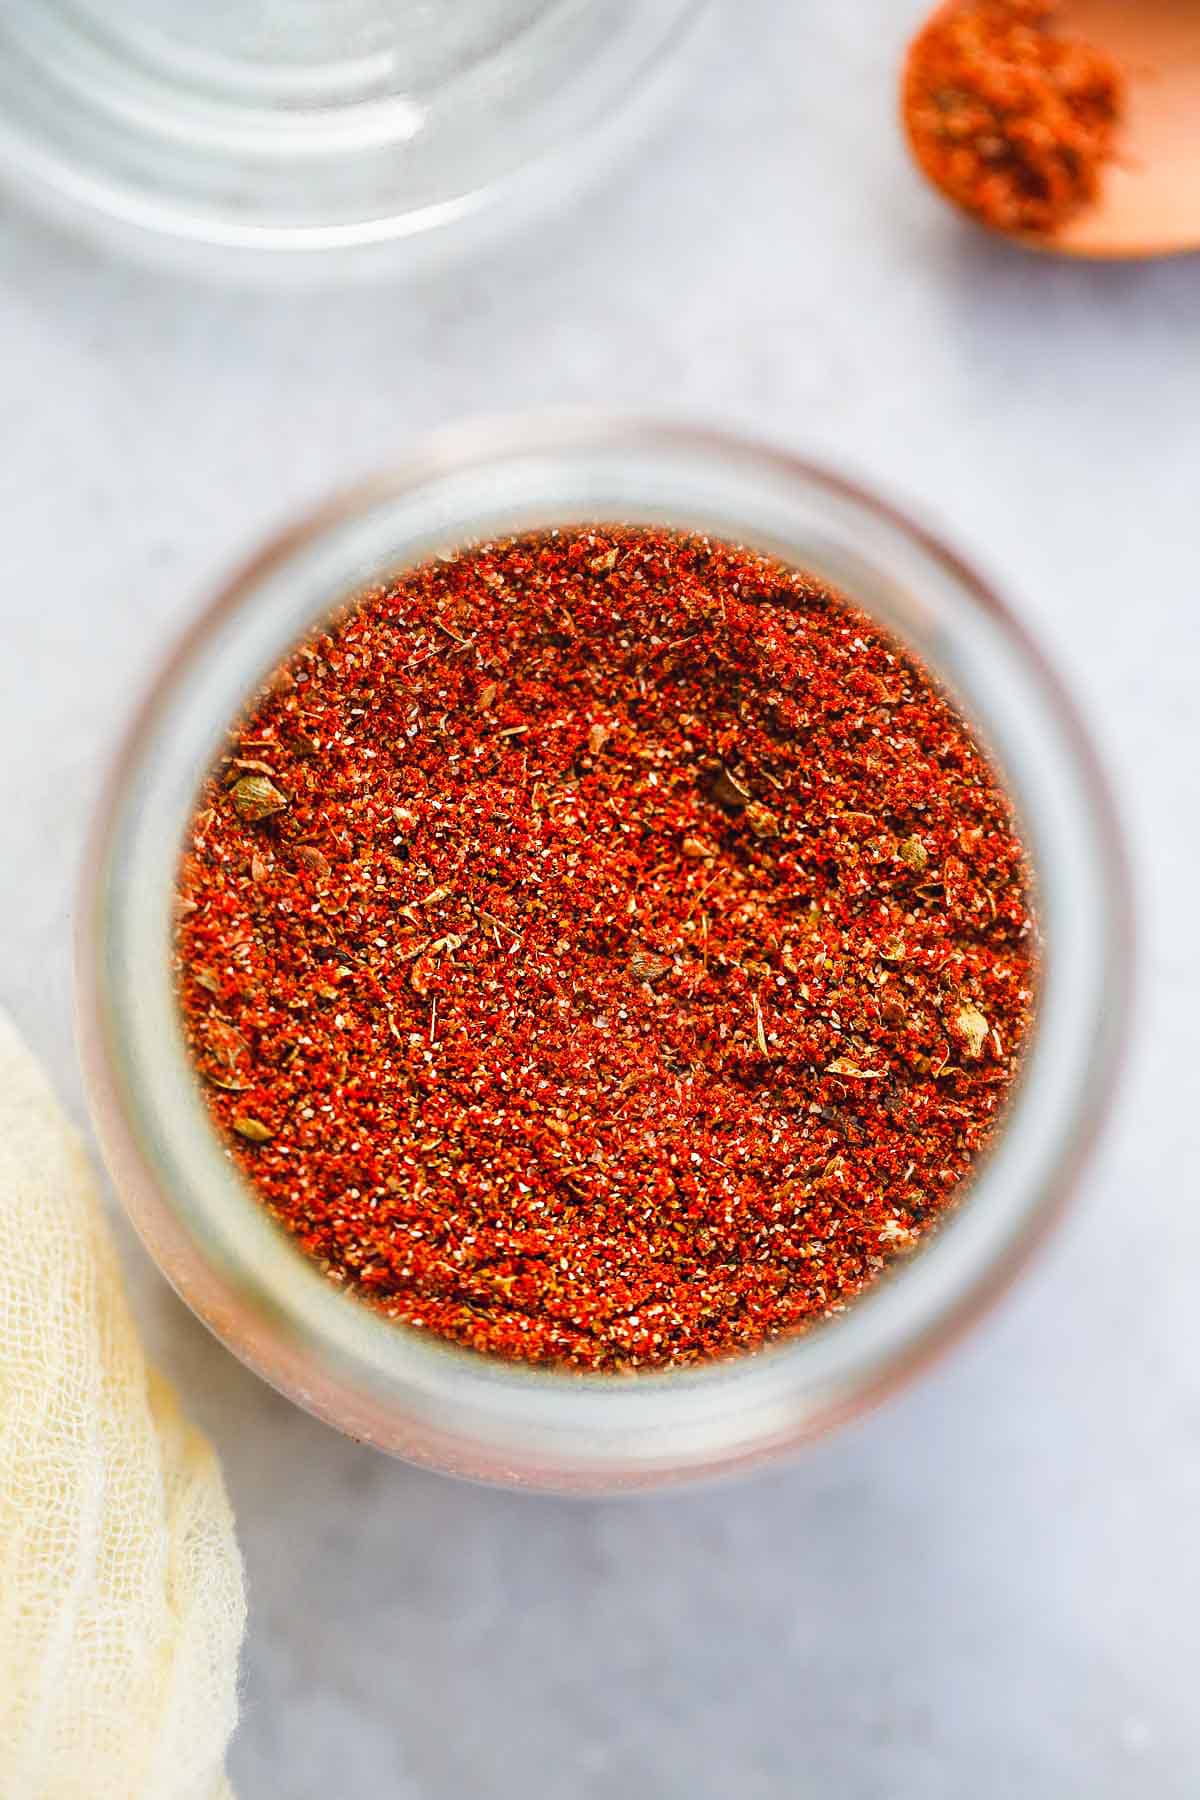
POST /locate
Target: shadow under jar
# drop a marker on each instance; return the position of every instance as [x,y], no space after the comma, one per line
[546,1426]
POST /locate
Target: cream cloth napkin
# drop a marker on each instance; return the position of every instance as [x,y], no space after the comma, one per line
[121,1601]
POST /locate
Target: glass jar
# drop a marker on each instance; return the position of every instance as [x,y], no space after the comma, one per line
[435,1403]
[272,137]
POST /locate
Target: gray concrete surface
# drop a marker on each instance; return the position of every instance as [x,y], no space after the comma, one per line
[989,1589]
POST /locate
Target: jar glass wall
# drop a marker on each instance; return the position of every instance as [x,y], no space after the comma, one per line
[270,138]
[430,1401]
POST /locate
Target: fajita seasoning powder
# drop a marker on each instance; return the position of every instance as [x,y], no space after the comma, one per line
[1013,119]
[605,948]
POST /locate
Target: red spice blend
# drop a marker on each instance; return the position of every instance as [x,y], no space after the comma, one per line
[1012,121]
[605,948]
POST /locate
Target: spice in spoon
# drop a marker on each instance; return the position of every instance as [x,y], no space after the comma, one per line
[1011,120]
[605,948]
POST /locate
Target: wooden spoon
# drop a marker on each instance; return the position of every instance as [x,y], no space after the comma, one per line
[1149,202]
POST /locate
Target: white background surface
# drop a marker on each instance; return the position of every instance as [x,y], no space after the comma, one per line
[991,1588]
